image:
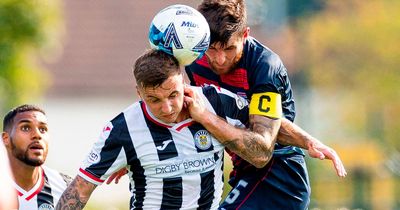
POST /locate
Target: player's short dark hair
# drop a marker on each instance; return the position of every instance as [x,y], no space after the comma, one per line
[225,18]
[154,67]
[9,118]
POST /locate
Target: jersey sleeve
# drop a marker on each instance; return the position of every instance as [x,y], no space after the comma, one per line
[107,155]
[270,76]
[234,108]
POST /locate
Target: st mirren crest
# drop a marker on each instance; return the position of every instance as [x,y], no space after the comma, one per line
[46,206]
[202,139]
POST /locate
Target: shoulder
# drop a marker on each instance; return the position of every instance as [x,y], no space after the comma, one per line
[216,94]
[53,174]
[120,121]
[213,90]
[260,56]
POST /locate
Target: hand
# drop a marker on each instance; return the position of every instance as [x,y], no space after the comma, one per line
[319,150]
[195,104]
[117,175]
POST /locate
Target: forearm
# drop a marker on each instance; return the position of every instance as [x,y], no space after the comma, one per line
[76,195]
[291,134]
[255,148]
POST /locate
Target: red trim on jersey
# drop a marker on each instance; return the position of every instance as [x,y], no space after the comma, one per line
[91,176]
[201,81]
[148,116]
[236,78]
[19,193]
[255,186]
[203,61]
[185,125]
[38,189]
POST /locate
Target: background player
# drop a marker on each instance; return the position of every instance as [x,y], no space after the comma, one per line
[171,141]
[238,62]
[25,136]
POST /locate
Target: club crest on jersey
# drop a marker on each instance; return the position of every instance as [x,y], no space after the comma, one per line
[202,139]
[241,102]
[46,206]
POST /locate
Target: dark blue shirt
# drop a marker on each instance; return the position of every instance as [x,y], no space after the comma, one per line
[259,70]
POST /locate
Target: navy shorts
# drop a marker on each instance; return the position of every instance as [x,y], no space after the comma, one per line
[282,184]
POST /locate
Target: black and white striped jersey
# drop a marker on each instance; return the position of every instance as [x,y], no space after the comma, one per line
[171,166]
[46,192]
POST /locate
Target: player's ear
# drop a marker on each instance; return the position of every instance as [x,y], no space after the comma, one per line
[138,92]
[6,139]
[246,32]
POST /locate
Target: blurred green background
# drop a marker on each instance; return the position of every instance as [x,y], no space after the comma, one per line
[342,57]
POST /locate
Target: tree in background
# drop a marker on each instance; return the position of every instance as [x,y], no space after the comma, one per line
[29,30]
[351,53]
[353,48]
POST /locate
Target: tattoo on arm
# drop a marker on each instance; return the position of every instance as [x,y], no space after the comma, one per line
[256,146]
[76,195]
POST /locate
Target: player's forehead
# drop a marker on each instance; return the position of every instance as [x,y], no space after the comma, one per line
[171,85]
[30,117]
[233,41]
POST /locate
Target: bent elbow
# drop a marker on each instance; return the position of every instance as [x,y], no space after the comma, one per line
[261,162]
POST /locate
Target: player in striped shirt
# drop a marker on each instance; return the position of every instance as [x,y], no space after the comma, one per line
[25,136]
[172,142]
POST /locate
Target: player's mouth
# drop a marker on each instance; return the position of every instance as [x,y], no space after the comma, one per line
[169,117]
[36,148]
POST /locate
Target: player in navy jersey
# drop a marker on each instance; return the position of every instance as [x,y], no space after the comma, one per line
[238,62]
[172,141]
[25,136]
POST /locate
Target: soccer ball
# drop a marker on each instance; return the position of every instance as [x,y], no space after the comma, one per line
[181,31]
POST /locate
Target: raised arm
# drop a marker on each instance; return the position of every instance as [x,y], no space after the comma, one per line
[76,195]
[291,134]
[254,146]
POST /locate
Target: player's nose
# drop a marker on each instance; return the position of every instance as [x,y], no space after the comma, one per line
[166,107]
[36,134]
[220,57]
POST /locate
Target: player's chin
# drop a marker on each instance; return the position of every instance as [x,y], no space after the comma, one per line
[169,118]
[36,161]
[220,70]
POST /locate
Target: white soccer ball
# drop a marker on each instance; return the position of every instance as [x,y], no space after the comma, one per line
[181,31]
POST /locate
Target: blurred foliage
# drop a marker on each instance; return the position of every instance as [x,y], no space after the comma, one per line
[349,53]
[299,9]
[29,30]
[352,48]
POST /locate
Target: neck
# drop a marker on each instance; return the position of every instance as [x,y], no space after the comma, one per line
[183,115]
[25,176]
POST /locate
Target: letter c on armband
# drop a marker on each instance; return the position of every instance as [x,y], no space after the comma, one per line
[267,104]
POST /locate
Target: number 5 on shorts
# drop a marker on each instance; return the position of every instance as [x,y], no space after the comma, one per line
[235,192]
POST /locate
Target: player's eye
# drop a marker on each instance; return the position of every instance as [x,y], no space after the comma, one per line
[43,129]
[154,100]
[230,48]
[25,128]
[212,49]
[172,96]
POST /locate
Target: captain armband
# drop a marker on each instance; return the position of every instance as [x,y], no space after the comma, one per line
[267,104]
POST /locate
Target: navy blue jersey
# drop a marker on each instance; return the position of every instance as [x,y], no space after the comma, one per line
[259,70]
[171,166]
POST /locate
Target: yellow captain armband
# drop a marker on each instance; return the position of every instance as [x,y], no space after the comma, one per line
[267,104]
